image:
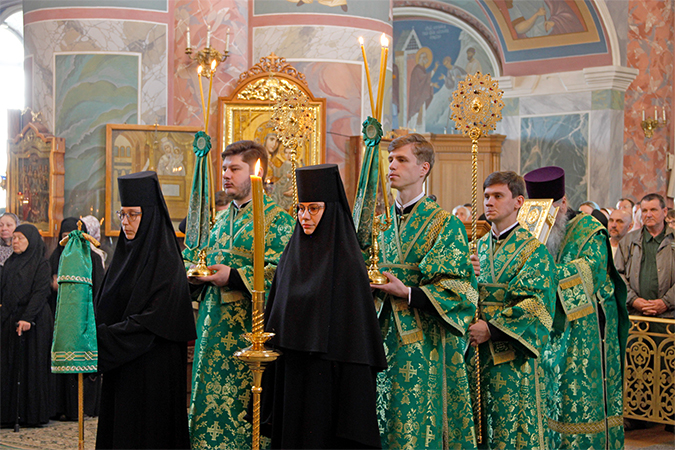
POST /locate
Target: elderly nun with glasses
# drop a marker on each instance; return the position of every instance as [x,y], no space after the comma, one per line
[144,321]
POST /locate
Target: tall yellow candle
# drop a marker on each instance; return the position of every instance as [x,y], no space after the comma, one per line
[201,91]
[208,105]
[383,73]
[370,87]
[258,230]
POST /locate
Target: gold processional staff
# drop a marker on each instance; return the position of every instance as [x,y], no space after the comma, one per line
[476,108]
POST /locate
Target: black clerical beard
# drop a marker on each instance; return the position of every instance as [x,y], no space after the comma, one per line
[557,234]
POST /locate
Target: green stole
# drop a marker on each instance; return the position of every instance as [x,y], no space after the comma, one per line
[517,296]
[221,383]
[586,370]
[423,396]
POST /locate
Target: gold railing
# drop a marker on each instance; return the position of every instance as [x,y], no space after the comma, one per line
[649,377]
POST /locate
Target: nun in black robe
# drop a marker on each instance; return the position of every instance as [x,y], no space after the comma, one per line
[24,294]
[65,384]
[144,321]
[321,393]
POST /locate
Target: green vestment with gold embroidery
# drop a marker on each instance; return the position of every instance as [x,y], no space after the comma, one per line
[221,383]
[517,296]
[423,396]
[585,411]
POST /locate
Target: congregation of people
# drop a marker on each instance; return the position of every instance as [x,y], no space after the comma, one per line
[517,344]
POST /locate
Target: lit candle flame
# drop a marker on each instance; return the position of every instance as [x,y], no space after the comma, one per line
[258,171]
[384,41]
[199,70]
[213,65]
[361,40]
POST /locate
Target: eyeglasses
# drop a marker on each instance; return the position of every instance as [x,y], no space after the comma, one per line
[131,216]
[313,209]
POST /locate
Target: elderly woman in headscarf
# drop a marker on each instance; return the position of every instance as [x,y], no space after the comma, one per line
[94,230]
[144,321]
[321,392]
[65,385]
[27,326]
[8,223]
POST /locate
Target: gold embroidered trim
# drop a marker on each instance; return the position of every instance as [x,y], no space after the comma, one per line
[586,274]
[412,337]
[435,229]
[536,308]
[74,356]
[580,312]
[458,287]
[399,304]
[73,278]
[567,283]
[502,352]
[400,266]
[585,428]
[74,369]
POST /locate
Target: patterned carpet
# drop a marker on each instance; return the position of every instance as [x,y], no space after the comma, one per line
[53,436]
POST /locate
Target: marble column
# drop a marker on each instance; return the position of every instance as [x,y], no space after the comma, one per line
[650,49]
[91,65]
[573,120]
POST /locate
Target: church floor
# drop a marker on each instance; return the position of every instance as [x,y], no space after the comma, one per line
[63,436]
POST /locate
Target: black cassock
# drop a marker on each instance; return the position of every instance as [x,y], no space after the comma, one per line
[144,321]
[321,393]
[24,293]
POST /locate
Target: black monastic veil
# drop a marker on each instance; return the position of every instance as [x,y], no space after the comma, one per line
[144,320]
[321,308]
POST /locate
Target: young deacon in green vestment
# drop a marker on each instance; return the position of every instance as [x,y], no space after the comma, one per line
[221,384]
[517,299]
[424,312]
[588,342]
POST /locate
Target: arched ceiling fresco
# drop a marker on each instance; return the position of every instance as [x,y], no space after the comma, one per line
[564,35]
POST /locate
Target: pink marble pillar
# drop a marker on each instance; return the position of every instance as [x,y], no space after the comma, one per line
[650,49]
[198,15]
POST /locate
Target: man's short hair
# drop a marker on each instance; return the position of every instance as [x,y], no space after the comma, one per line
[624,199]
[654,196]
[422,149]
[514,181]
[250,152]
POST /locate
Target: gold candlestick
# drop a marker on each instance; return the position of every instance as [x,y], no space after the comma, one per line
[257,356]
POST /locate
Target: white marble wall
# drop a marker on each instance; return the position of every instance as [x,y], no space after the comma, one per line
[44,39]
[559,100]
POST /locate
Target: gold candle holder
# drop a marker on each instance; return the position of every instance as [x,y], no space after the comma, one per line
[257,356]
[200,269]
